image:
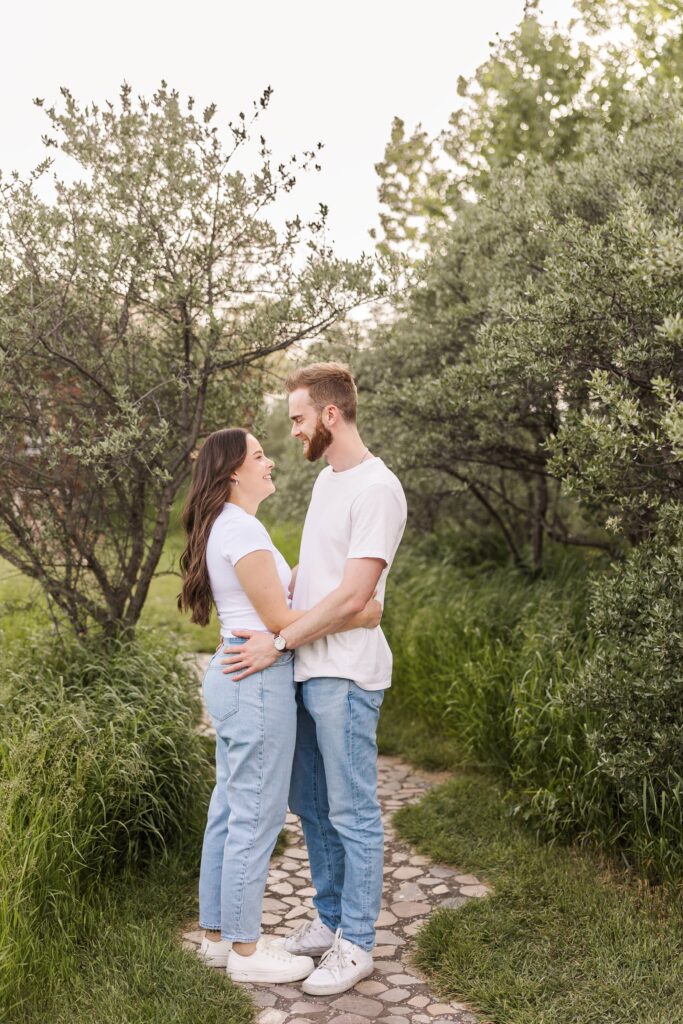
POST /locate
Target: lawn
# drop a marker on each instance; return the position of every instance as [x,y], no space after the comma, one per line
[131,968]
[564,939]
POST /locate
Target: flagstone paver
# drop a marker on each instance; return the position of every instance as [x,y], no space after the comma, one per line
[396,993]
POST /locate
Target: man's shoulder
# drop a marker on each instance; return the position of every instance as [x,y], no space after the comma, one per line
[324,474]
[382,476]
[380,488]
[377,477]
[384,473]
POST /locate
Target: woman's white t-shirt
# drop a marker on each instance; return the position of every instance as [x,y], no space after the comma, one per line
[234,534]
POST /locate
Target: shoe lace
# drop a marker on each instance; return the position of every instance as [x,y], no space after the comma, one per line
[271,947]
[300,929]
[335,957]
[304,928]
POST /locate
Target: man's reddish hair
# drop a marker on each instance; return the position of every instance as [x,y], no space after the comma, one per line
[327,384]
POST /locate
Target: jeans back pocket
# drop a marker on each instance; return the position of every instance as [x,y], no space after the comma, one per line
[221,693]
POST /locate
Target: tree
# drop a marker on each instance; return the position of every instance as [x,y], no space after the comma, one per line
[543,346]
[535,98]
[136,312]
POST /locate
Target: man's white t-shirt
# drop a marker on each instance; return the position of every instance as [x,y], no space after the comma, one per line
[358,513]
[234,534]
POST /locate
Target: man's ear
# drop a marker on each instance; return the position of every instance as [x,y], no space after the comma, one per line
[331,415]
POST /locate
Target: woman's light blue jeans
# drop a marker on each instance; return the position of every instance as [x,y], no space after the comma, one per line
[255,722]
[334,792]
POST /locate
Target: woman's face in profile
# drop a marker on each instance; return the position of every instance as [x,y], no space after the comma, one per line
[254,475]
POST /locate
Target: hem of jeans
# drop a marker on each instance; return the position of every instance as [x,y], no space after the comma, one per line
[210,927]
[332,927]
[239,938]
[366,949]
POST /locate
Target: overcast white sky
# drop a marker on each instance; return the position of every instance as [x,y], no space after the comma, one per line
[340,73]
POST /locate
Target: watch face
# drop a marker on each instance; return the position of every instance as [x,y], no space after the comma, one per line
[280,643]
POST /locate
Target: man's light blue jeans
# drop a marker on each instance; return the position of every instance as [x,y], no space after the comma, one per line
[255,722]
[334,792]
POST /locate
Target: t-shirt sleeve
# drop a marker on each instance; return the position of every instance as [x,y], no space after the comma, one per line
[242,538]
[378,519]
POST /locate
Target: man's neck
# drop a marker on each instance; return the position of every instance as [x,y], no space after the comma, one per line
[346,451]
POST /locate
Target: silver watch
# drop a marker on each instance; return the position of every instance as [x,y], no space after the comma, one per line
[280,642]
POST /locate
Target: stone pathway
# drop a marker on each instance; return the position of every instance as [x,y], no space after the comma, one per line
[396,993]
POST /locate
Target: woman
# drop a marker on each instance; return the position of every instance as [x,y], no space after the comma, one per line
[230,561]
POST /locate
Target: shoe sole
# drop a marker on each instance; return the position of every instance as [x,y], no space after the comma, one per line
[213,961]
[316,951]
[332,990]
[264,978]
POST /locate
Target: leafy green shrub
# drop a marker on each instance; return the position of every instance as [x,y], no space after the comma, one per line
[569,690]
[480,653]
[100,769]
[632,686]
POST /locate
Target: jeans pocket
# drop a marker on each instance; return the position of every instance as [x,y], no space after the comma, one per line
[221,694]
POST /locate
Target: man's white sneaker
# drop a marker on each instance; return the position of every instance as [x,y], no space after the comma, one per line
[215,954]
[271,964]
[310,938]
[342,967]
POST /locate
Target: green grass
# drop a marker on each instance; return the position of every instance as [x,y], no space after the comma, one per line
[480,654]
[102,778]
[104,785]
[23,609]
[562,940]
[488,664]
[131,967]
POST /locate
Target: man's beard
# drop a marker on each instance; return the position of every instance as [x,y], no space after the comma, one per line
[318,443]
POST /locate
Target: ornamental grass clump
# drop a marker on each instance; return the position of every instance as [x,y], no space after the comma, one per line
[101,770]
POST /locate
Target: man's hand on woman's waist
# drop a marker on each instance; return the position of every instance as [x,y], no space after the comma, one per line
[256,655]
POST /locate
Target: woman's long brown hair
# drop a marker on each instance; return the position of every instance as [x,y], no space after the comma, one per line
[220,455]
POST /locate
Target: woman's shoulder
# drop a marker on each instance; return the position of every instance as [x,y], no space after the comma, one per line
[235,519]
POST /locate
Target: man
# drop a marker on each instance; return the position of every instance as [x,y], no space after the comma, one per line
[353,527]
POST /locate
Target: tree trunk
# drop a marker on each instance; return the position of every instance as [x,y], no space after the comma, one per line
[538,527]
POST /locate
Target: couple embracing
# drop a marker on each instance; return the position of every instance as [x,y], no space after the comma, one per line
[296,708]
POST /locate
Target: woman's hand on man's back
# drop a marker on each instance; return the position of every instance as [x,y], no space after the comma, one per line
[292,582]
[372,613]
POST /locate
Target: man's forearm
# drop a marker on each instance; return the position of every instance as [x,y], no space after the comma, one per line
[331,615]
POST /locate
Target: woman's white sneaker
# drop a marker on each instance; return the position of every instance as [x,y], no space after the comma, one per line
[271,964]
[342,967]
[310,938]
[214,954]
